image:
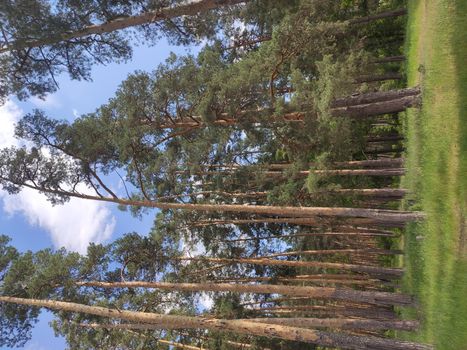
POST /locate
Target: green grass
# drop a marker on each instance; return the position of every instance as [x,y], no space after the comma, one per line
[436,250]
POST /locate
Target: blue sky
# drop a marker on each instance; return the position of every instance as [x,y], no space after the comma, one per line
[33,223]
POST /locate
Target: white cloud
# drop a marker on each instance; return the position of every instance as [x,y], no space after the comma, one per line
[49,102]
[73,225]
[9,115]
[205,302]
[75,113]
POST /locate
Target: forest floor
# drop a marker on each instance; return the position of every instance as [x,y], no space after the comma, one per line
[436,250]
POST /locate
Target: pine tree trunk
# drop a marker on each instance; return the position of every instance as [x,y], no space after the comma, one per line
[292,308]
[389,59]
[371,270]
[191,8]
[318,222]
[333,323]
[377,108]
[369,163]
[355,172]
[215,193]
[384,150]
[314,234]
[383,77]
[385,138]
[393,193]
[235,326]
[375,216]
[329,172]
[322,281]
[374,97]
[323,311]
[337,251]
[303,278]
[379,298]
[342,323]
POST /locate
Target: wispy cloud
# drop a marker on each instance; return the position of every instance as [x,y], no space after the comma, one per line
[75,113]
[73,225]
[49,102]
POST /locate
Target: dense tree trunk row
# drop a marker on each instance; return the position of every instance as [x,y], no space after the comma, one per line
[344,341]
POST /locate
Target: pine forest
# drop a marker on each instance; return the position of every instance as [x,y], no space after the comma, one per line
[276,158]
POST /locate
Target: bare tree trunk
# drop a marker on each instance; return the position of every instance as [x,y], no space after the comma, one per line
[329,172]
[356,172]
[372,270]
[315,222]
[393,193]
[369,163]
[314,234]
[216,193]
[189,9]
[236,326]
[389,59]
[302,278]
[376,216]
[382,298]
[385,138]
[323,311]
[324,281]
[342,323]
[383,77]
[374,97]
[378,108]
[333,323]
[370,192]
[336,251]
[383,150]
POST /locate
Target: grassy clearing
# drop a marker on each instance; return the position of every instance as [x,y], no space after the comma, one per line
[436,250]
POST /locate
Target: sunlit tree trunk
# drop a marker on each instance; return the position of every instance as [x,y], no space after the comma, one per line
[376,216]
[342,323]
[236,326]
[383,298]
